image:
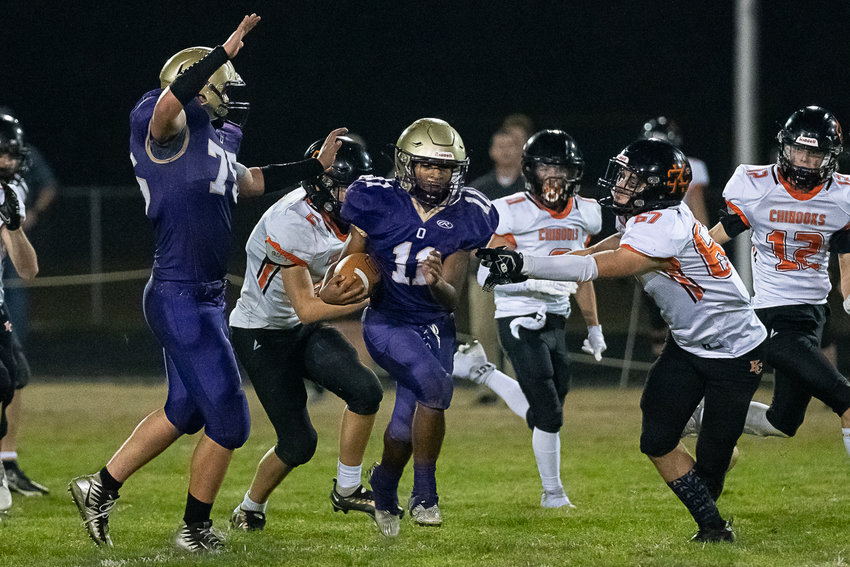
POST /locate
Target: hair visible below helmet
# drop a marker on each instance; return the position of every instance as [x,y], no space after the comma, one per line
[217,91]
[12,145]
[352,160]
[662,128]
[552,147]
[431,141]
[653,174]
[813,129]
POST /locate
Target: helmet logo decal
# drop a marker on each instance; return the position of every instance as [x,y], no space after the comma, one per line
[445,155]
[676,180]
[806,141]
[622,158]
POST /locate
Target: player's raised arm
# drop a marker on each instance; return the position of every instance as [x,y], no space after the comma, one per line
[169,119]
[256,181]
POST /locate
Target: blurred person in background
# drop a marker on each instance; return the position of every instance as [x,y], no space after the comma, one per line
[13,160]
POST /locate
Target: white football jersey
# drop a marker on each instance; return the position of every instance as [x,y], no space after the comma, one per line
[790,232]
[537,231]
[700,295]
[290,233]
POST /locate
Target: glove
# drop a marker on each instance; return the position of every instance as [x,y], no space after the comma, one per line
[531,323]
[10,210]
[594,343]
[505,266]
[847,305]
[551,287]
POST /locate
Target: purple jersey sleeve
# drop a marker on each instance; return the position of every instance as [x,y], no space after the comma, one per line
[366,205]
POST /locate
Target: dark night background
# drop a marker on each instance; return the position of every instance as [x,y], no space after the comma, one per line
[73,70]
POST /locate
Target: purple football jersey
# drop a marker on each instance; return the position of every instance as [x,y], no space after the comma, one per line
[189,191]
[399,241]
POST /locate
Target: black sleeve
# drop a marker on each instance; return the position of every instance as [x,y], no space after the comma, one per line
[280,176]
[189,83]
[839,242]
[732,223]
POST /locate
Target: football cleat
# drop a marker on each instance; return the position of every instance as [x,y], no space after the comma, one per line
[22,484]
[5,494]
[247,520]
[94,504]
[423,516]
[470,363]
[715,535]
[387,522]
[199,538]
[555,499]
[360,500]
[694,424]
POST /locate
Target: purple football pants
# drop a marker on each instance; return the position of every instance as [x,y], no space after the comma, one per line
[418,358]
[204,387]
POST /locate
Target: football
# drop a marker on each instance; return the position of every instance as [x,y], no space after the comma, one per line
[362,266]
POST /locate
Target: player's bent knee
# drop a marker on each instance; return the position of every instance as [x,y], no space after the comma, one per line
[366,399]
[656,443]
[297,449]
[437,394]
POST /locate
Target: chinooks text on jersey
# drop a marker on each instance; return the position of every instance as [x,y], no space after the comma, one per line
[399,240]
[189,186]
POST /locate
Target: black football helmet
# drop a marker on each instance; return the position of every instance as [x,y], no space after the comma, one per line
[662,128]
[646,175]
[816,132]
[552,147]
[324,192]
[12,146]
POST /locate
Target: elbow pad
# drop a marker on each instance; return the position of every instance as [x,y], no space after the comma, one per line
[732,224]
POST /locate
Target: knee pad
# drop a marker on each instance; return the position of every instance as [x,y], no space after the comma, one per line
[297,449]
[366,397]
[436,393]
[550,423]
[657,440]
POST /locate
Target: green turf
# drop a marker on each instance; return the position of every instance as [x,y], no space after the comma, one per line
[788,497]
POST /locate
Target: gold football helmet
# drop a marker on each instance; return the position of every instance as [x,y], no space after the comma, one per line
[218,103]
[431,141]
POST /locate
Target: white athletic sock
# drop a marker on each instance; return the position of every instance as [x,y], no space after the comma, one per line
[248,504]
[347,478]
[508,389]
[547,451]
[8,455]
[846,432]
[757,423]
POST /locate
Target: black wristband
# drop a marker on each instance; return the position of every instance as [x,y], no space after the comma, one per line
[732,224]
[189,83]
[281,176]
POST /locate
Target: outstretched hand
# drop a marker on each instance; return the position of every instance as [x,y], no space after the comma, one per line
[327,153]
[505,266]
[234,42]
[10,210]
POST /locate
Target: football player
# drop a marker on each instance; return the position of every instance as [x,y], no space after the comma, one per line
[419,228]
[794,209]
[716,348]
[279,337]
[184,138]
[547,219]
[13,157]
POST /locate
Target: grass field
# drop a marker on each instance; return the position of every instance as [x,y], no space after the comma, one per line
[788,497]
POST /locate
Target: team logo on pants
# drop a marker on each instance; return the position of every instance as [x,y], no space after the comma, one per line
[756,366]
